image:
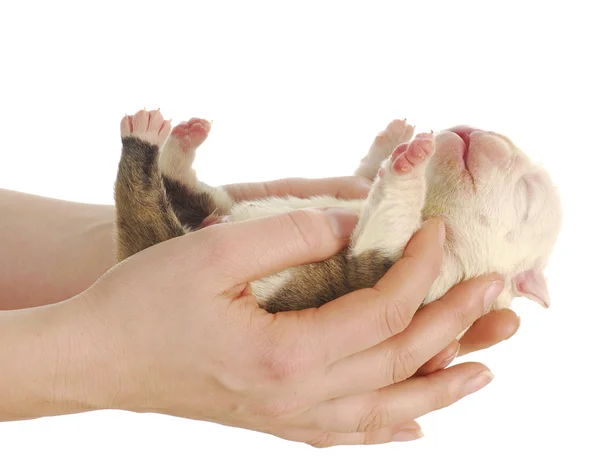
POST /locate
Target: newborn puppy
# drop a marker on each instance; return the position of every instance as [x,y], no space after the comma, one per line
[501,211]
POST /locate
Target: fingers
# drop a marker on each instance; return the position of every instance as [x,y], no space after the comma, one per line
[489,330]
[245,251]
[364,318]
[441,360]
[432,329]
[346,187]
[404,432]
[402,402]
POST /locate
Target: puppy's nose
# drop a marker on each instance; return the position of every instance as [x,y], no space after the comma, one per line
[464,132]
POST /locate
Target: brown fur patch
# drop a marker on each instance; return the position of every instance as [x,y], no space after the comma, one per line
[190,206]
[365,270]
[144,215]
[152,208]
[313,285]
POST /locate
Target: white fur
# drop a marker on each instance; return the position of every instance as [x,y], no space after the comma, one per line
[266,287]
[397,132]
[504,217]
[502,213]
[394,205]
[485,211]
[177,164]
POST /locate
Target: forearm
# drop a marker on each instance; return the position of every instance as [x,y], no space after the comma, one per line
[50,363]
[51,250]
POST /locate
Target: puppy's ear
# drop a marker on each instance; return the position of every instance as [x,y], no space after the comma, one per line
[532,284]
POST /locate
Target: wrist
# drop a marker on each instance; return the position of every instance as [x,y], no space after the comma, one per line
[52,362]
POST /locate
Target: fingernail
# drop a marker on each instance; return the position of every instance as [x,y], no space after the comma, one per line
[407,435]
[516,327]
[446,362]
[492,293]
[342,221]
[477,382]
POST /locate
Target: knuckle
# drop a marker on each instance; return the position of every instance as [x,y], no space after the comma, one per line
[464,315]
[397,314]
[324,440]
[301,223]
[402,365]
[377,417]
[285,367]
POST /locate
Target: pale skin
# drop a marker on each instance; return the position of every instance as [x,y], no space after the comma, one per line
[357,370]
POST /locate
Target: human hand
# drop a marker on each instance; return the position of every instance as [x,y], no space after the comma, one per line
[344,187]
[489,330]
[181,334]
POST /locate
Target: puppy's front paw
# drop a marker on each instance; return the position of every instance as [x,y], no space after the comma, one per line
[408,157]
[396,133]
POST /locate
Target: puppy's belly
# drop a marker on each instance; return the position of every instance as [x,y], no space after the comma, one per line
[265,288]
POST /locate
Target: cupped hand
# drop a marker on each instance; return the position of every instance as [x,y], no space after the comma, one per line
[491,329]
[180,333]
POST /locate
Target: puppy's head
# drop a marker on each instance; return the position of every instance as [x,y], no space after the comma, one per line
[502,212]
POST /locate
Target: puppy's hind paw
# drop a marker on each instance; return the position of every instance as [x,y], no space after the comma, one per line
[149,126]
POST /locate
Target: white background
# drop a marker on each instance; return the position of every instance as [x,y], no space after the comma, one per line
[300,89]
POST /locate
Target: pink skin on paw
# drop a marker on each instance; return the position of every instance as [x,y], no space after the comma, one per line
[399,150]
[191,134]
[147,125]
[399,128]
[405,158]
[126,126]
[394,130]
[381,138]
[396,126]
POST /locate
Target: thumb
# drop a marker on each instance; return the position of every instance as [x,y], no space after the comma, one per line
[255,248]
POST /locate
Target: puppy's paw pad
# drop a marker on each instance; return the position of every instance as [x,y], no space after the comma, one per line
[190,134]
[148,126]
[408,156]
